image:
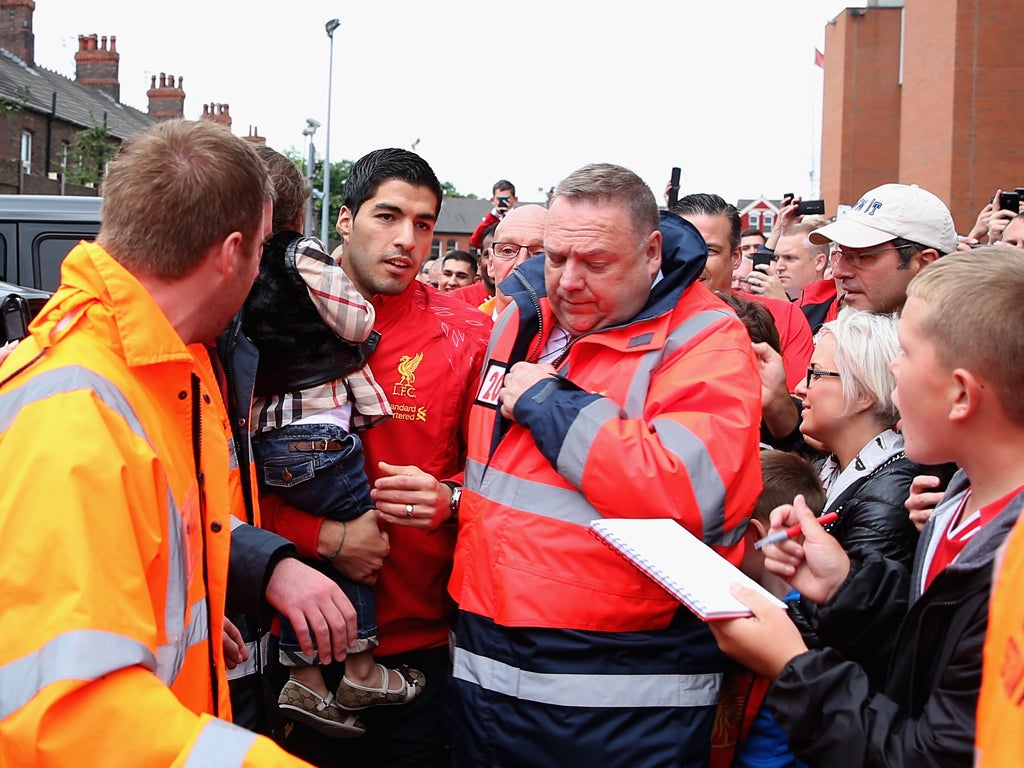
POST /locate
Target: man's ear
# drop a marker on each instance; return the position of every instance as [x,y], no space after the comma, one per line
[966,393]
[229,255]
[756,530]
[344,225]
[927,256]
[737,256]
[652,251]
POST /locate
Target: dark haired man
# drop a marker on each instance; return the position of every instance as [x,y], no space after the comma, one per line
[503,198]
[458,269]
[719,224]
[751,239]
[428,362]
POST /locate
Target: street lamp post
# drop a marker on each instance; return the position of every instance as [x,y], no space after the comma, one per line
[309,130]
[330,26]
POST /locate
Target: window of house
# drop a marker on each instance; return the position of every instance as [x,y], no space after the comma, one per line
[754,219]
[435,248]
[26,151]
[452,245]
[769,222]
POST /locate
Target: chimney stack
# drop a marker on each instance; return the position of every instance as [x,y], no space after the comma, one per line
[168,101]
[217,113]
[16,29]
[96,65]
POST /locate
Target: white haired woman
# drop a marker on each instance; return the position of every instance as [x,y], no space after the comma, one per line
[848,414]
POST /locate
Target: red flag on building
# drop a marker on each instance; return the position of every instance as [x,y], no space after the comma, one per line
[819,58]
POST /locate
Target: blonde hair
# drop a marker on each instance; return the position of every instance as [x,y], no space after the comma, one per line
[866,344]
[975,317]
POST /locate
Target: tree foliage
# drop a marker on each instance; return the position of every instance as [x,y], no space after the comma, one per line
[89,156]
[339,176]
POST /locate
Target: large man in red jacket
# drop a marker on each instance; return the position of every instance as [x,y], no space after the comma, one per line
[616,386]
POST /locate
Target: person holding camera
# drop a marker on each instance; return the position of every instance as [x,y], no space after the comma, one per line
[503,198]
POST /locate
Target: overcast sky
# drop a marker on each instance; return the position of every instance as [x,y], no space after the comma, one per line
[525,90]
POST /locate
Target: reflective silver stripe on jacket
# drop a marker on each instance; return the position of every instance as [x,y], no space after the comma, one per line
[81,654]
[73,378]
[705,479]
[220,745]
[615,691]
[568,505]
[528,496]
[171,656]
[248,667]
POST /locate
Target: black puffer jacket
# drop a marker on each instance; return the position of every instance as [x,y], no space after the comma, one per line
[872,515]
[924,712]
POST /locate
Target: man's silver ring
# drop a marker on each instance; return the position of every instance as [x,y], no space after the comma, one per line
[408,510]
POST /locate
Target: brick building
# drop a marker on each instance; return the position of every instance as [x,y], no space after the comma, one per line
[927,92]
[42,112]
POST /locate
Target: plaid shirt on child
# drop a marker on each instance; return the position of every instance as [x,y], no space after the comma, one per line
[346,312]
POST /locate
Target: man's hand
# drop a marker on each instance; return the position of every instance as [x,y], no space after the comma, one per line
[765,642]
[980,228]
[762,281]
[521,377]
[235,651]
[363,551]
[997,223]
[409,496]
[778,410]
[316,608]
[921,502]
[816,566]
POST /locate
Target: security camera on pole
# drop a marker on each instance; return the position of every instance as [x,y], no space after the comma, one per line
[330,26]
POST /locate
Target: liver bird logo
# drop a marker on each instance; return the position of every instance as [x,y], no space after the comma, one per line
[407,369]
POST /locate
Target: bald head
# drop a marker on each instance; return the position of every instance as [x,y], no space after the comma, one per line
[521,226]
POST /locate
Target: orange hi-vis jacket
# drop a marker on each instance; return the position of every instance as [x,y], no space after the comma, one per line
[657,417]
[1000,737]
[115,519]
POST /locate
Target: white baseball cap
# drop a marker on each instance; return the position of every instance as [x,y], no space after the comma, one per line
[891,211]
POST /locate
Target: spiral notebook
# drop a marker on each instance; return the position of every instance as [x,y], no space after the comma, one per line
[685,566]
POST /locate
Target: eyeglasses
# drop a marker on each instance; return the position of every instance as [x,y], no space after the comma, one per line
[813,374]
[506,251]
[857,259]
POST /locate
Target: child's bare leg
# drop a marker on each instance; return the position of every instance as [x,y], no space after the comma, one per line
[361,668]
[312,677]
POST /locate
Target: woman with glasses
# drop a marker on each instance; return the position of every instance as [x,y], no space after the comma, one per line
[848,414]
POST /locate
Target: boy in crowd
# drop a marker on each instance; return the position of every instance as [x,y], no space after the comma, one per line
[956,382]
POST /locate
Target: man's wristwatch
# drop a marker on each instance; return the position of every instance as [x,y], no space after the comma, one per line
[453,503]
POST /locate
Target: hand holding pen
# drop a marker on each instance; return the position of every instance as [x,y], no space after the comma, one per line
[792,531]
[815,566]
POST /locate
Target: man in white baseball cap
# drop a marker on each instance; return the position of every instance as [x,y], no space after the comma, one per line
[892,233]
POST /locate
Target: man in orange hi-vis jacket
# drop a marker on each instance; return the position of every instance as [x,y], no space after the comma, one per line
[115,510]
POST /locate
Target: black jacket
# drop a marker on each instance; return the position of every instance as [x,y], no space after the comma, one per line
[254,551]
[872,515]
[924,713]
